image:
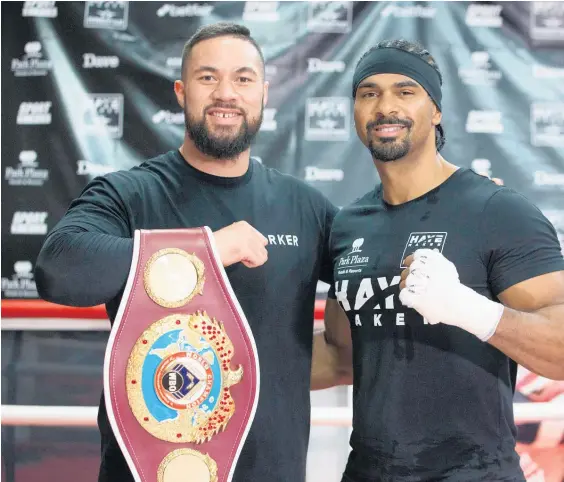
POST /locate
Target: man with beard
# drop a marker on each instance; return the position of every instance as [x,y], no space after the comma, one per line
[212,181]
[448,281]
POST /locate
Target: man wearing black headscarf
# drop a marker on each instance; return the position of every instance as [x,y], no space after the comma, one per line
[447,280]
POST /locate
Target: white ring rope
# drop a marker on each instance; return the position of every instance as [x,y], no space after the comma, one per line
[52,416]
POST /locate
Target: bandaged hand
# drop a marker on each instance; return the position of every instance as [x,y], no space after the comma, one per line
[430,285]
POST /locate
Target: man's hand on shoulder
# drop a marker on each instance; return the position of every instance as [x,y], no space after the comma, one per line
[240,242]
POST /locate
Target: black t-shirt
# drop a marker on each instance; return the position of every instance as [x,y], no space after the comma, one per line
[433,402]
[277,298]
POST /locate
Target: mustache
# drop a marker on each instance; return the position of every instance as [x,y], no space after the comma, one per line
[390,121]
[224,105]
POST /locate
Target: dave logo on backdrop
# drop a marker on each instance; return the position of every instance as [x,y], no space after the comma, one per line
[327,119]
[40,9]
[330,17]
[102,115]
[106,15]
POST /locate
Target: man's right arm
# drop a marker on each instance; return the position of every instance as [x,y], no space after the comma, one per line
[332,350]
[85,259]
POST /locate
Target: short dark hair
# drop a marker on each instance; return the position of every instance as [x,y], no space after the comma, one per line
[416,49]
[220,29]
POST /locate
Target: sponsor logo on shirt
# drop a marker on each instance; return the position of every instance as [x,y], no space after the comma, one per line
[282,240]
[29,222]
[188,10]
[40,9]
[93,61]
[26,172]
[330,17]
[88,168]
[353,262]
[34,113]
[547,124]
[313,173]
[32,63]
[400,11]
[106,15]
[547,21]
[261,12]
[484,121]
[480,15]
[269,120]
[315,65]
[21,284]
[327,119]
[481,72]
[433,240]
[103,115]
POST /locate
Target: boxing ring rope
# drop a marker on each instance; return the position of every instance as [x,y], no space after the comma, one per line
[39,315]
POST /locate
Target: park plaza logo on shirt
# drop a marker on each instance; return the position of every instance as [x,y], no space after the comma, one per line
[282,240]
[547,124]
[415,241]
[26,173]
[107,15]
[29,222]
[21,284]
[93,61]
[188,10]
[353,262]
[330,17]
[480,15]
[261,12]
[34,113]
[32,63]
[40,9]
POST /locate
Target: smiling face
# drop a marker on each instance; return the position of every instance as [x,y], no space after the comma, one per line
[394,115]
[223,94]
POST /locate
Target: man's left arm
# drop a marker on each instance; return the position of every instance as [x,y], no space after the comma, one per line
[526,274]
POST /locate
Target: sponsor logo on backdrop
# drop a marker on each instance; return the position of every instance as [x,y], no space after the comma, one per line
[315,65]
[416,11]
[481,72]
[168,117]
[330,17]
[88,168]
[313,173]
[187,10]
[548,179]
[545,72]
[270,71]
[40,9]
[32,63]
[484,121]
[482,166]
[484,15]
[106,15]
[27,172]
[547,21]
[93,61]
[261,12]
[29,222]
[21,284]
[34,113]
[327,119]
[547,124]
[103,115]
[269,120]
[174,63]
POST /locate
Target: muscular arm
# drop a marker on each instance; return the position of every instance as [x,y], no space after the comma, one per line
[85,259]
[332,350]
[531,329]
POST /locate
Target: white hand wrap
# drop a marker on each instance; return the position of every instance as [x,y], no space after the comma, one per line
[434,290]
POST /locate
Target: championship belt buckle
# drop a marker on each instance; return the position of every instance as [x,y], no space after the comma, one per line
[181,370]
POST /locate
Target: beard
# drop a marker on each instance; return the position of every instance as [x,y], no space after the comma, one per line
[388,149]
[224,144]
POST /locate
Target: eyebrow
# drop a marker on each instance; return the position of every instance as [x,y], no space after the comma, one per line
[397,85]
[240,70]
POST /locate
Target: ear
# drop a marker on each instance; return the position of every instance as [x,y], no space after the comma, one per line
[179,91]
[265,93]
[437,116]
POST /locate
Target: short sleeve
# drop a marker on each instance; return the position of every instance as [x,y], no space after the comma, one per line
[519,242]
[326,272]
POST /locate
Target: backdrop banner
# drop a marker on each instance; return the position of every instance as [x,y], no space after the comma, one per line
[87,89]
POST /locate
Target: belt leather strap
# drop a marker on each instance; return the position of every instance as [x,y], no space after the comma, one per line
[181,370]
